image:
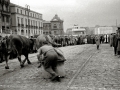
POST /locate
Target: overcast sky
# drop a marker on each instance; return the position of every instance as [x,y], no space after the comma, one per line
[81,12]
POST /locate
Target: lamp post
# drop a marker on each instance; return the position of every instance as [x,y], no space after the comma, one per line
[28,9]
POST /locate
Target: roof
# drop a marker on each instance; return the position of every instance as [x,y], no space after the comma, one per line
[46,21]
[15,5]
[56,18]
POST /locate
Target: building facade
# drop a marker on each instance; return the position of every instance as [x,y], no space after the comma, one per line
[77,30]
[69,31]
[90,30]
[57,26]
[25,21]
[105,30]
[47,27]
[5,17]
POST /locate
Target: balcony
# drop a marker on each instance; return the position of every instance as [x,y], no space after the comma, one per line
[5,13]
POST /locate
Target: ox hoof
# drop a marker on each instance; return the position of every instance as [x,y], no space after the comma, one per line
[39,66]
[22,66]
[6,67]
[29,63]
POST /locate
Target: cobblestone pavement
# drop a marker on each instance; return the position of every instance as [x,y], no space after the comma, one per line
[101,72]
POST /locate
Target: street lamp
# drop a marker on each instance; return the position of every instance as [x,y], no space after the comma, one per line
[28,9]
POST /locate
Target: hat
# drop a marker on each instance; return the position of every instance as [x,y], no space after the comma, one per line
[118,29]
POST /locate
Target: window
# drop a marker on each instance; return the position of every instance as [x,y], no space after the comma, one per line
[36,15]
[31,22]
[4,8]
[7,8]
[33,14]
[17,10]
[21,11]
[7,19]
[25,12]
[36,23]
[55,26]
[22,32]
[18,20]
[54,32]
[26,21]
[3,18]
[39,23]
[21,20]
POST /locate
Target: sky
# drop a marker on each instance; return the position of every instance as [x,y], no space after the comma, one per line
[85,13]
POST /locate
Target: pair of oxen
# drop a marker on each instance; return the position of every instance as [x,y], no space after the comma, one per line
[22,46]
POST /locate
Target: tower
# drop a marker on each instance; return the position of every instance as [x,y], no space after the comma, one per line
[57,26]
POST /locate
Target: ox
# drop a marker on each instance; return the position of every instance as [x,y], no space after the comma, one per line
[42,38]
[19,45]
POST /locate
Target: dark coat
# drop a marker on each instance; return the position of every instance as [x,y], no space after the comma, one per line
[114,40]
[118,43]
[97,40]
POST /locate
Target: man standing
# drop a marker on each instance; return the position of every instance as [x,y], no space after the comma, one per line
[111,40]
[49,61]
[118,42]
[115,42]
[97,41]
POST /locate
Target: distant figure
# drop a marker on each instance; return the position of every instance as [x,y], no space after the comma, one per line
[115,43]
[111,40]
[118,42]
[85,40]
[97,40]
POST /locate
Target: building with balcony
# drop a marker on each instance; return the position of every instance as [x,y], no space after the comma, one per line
[57,26]
[5,16]
[47,27]
[25,21]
